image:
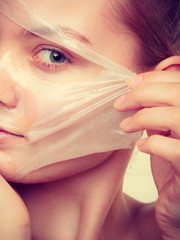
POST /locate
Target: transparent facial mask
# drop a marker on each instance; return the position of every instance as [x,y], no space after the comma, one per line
[70,114]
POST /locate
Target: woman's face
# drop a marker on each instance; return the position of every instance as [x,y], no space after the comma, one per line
[88,22]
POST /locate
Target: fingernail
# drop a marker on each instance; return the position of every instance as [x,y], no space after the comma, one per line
[135,80]
[125,124]
[141,142]
[119,101]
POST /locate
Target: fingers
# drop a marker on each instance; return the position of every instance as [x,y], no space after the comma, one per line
[14,218]
[156,96]
[158,118]
[148,95]
[163,147]
[154,77]
[150,91]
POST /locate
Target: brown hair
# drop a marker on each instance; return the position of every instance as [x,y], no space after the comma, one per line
[157,25]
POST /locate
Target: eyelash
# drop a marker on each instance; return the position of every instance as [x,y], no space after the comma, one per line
[51,67]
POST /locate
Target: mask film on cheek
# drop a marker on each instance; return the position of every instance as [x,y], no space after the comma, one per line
[72,119]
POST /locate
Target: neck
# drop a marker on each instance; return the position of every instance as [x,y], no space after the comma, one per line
[84,206]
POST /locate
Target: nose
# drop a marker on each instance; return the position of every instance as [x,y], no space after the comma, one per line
[7,83]
[7,90]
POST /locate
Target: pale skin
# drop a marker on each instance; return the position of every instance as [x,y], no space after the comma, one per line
[82,198]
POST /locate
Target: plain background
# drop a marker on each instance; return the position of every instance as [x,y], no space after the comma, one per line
[138,181]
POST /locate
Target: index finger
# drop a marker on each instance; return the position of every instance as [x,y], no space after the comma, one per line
[154,76]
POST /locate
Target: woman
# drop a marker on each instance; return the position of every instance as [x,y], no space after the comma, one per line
[83,199]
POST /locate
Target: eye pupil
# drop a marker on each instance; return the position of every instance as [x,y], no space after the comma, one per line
[57,57]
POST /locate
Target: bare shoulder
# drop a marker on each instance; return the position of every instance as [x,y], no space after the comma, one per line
[143,219]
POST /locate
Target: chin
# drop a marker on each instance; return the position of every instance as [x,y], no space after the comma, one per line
[60,170]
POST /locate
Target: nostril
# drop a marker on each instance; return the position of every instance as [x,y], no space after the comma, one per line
[2,105]
[7,96]
[7,105]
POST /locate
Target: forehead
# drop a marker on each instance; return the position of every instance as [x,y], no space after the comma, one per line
[83,16]
[62,8]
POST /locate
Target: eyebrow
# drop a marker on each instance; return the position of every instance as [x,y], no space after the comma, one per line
[70,32]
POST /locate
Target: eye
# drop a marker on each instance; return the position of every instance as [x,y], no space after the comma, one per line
[50,59]
[51,56]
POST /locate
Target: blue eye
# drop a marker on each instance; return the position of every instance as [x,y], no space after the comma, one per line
[51,56]
[50,59]
[57,57]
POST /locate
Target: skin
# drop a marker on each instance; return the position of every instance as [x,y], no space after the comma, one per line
[24,49]
[87,202]
[164,129]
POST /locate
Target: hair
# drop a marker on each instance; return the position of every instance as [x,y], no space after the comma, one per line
[156,23]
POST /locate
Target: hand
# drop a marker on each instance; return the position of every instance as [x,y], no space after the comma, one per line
[14,217]
[156,97]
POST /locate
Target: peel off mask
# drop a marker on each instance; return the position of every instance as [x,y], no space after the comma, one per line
[64,115]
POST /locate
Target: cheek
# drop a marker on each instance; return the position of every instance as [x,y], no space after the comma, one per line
[29,113]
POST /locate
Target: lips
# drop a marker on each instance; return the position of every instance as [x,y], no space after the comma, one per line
[7,132]
[7,137]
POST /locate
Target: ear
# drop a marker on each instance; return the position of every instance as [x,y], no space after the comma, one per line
[169,64]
